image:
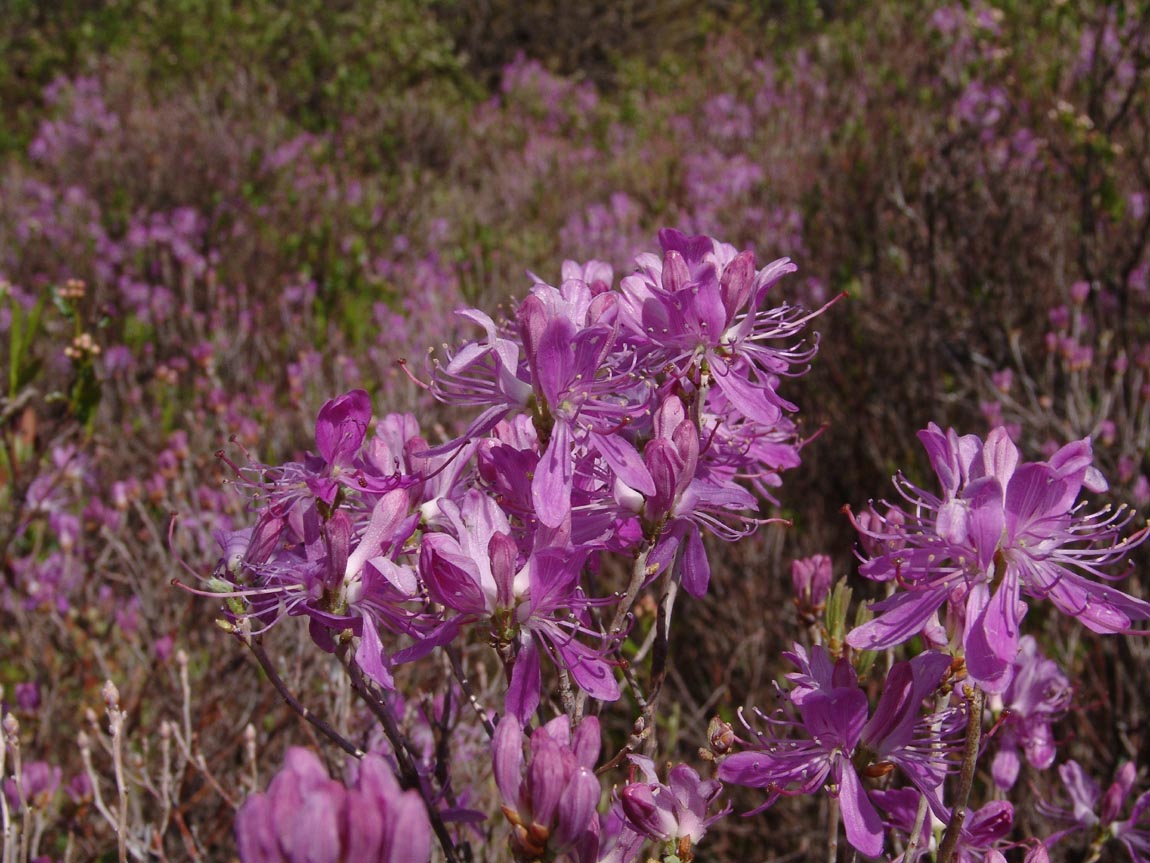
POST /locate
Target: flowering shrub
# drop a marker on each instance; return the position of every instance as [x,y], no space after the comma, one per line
[592,403]
[613,421]
[532,608]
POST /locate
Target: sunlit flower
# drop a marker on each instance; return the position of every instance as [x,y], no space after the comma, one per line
[1000,528]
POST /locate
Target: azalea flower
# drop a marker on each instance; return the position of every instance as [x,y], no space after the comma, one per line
[550,797]
[1096,813]
[473,568]
[1037,696]
[329,540]
[980,838]
[305,816]
[686,496]
[674,812]
[700,306]
[836,740]
[1000,529]
[577,385]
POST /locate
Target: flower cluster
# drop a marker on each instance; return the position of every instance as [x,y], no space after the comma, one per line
[999,530]
[628,420]
[631,421]
[550,799]
[305,816]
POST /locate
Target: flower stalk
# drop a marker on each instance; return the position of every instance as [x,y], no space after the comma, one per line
[975,698]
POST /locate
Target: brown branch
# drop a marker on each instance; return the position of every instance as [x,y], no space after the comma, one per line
[974,701]
[257,649]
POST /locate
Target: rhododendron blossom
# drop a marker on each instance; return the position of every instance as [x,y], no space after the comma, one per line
[836,739]
[999,529]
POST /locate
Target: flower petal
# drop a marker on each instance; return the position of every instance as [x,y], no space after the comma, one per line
[526,681]
[902,617]
[554,476]
[860,820]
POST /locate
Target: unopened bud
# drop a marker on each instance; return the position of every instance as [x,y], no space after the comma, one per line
[639,733]
[647,813]
[836,615]
[721,735]
[811,578]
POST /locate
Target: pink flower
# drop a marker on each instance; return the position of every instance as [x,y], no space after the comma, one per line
[676,811]
[550,798]
[1097,813]
[837,738]
[1000,528]
[1037,696]
[305,816]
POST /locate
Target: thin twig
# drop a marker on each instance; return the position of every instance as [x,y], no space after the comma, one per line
[659,657]
[257,649]
[916,830]
[567,693]
[639,575]
[409,775]
[974,702]
[465,684]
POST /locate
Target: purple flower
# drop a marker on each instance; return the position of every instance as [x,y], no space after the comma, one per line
[340,432]
[397,450]
[676,812]
[307,817]
[740,447]
[39,782]
[485,373]
[581,393]
[330,540]
[982,832]
[586,364]
[474,568]
[579,389]
[342,575]
[550,798]
[686,495]
[596,275]
[28,696]
[340,429]
[811,578]
[619,842]
[697,308]
[999,529]
[839,742]
[1097,813]
[1037,696]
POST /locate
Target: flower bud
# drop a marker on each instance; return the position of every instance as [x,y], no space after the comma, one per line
[721,736]
[811,577]
[647,813]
